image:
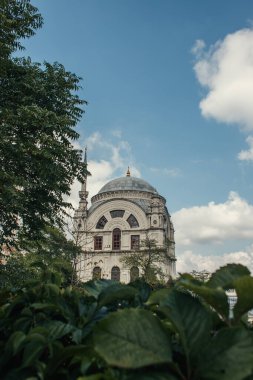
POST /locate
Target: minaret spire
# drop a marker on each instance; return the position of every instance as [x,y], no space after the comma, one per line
[84,183]
[83,194]
[81,213]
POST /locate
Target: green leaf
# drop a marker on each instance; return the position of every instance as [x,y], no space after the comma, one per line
[33,349]
[229,356]
[144,290]
[116,292]
[151,375]
[58,329]
[63,355]
[134,338]
[216,298]
[189,317]
[244,291]
[225,276]
[15,342]
[95,287]
[97,376]
[44,306]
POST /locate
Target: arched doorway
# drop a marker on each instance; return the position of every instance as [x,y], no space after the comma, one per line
[116,239]
[134,273]
[96,273]
[115,273]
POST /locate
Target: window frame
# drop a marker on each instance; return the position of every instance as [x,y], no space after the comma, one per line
[98,243]
[116,239]
[115,273]
[101,223]
[133,244]
[132,221]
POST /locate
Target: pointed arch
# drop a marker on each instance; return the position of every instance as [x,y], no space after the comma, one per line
[116,239]
[115,273]
[96,273]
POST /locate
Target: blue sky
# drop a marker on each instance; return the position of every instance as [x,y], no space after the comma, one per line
[168,84]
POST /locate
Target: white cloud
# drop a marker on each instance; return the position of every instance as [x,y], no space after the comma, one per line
[198,47]
[247,155]
[226,70]
[110,159]
[214,223]
[188,261]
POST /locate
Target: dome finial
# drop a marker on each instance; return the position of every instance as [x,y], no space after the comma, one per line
[128,174]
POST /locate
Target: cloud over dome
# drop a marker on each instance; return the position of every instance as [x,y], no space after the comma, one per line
[214,223]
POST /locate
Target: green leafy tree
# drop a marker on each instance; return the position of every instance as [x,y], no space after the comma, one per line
[202,275]
[39,109]
[18,19]
[148,259]
[53,253]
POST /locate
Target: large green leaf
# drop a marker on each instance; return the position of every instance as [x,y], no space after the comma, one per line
[216,298]
[144,290]
[229,356]
[58,329]
[15,342]
[244,291]
[116,292]
[132,338]
[158,297]
[189,317]
[36,344]
[225,276]
[95,287]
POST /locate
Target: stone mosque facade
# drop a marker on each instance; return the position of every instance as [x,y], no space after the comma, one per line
[122,214]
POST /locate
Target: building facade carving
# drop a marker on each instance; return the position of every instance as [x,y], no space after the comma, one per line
[123,213]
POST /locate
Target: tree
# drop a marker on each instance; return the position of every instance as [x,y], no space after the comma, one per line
[53,253]
[202,275]
[148,260]
[39,109]
[18,19]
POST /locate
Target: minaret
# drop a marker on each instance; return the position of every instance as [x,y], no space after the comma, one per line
[82,211]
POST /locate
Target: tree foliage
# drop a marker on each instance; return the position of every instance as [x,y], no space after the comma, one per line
[53,251]
[148,258]
[18,19]
[39,109]
[110,331]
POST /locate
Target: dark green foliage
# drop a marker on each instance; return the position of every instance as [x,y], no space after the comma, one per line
[128,343]
[18,19]
[52,252]
[39,109]
[106,330]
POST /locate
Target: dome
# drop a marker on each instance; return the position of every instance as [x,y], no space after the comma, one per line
[128,183]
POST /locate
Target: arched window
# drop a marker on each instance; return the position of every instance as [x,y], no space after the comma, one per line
[134,273]
[117,213]
[115,274]
[133,222]
[96,274]
[101,223]
[116,239]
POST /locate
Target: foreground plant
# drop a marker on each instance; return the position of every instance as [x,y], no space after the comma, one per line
[107,330]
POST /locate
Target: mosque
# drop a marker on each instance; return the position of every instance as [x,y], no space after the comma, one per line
[122,214]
